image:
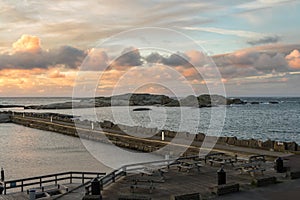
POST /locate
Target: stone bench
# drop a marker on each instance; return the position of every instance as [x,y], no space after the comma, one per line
[264,181]
[295,175]
[226,189]
[193,196]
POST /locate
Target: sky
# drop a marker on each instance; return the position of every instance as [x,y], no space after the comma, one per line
[97,47]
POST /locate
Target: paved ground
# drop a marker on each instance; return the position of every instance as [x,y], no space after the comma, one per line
[283,191]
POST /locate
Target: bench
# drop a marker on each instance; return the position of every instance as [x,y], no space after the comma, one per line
[295,175]
[264,181]
[133,197]
[250,170]
[92,197]
[137,185]
[226,189]
[185,167]
[258,158]
[148,179]
[193,196]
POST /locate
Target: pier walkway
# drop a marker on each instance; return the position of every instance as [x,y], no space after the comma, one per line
[99,134]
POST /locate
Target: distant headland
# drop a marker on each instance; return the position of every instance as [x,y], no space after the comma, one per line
[143,99]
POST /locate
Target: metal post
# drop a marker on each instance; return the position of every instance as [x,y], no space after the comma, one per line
[221,176]
[1,188]
[95,187]
[2,174]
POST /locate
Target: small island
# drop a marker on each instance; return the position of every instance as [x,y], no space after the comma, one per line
[143,99]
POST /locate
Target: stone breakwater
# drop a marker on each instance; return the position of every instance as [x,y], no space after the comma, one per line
[117,133]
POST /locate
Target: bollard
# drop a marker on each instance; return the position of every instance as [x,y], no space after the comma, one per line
[163,136]
[279,165]
[2,174]
[95,187]
[31,194]
[221,176]
[1,188]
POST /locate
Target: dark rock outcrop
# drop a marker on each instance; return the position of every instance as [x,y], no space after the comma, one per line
[205,100]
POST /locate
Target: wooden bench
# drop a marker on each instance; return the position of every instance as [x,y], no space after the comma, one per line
[133,197]
[226,189]
[250,170]
[264,181]
[258,158]
[92,197]
[193,196]
[137,185]
[295,175]
[147,180]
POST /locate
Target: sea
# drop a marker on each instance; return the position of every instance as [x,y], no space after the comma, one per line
[26,152]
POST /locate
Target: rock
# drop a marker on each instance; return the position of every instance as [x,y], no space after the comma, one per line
[279,146]
[231,140]
[200,137]
[243,143]
[269,144]
[222,140]
[255,102]
[107,124]
[235,101]
[291,146]
[136,99]
[253,143]
[273,102]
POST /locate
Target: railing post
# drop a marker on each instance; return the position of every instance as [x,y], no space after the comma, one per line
[22,189]
[82,177]
[71,177]
[55,179]
[101,184]
[114,176]
[40,182]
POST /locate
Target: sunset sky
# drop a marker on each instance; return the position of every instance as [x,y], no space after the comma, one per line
[255,45]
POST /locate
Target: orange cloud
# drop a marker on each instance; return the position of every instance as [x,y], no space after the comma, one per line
[55,73]
[27,43]
[36,82]
[294,59]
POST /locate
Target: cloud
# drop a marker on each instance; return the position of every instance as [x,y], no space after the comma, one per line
[55,73]
[27,43]
[28,54]
[129,57]
[264,40]
[294,59]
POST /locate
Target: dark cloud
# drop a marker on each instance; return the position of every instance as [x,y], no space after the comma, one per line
[154,58]
[68,56]
[176,59]
[251,63]
[264,40]
[130,57]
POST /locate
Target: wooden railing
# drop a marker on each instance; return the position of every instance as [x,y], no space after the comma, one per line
[39,181]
